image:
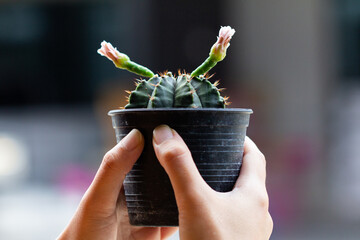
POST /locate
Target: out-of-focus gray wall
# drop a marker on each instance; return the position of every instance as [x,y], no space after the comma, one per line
[287,68]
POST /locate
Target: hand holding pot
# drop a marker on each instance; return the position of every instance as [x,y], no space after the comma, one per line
[102,212]
[205,213]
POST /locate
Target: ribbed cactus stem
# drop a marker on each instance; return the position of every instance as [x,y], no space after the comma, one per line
[167,91]
[217,52]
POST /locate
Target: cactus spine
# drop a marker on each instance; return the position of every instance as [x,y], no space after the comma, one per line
[166,91]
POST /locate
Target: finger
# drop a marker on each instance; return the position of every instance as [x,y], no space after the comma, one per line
[176,159]
[253,166]
[168,231]
[138,232]
[117,162]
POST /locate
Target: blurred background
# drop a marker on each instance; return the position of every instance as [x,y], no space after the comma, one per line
[295,63]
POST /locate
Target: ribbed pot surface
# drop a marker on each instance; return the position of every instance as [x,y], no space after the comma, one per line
[215,138]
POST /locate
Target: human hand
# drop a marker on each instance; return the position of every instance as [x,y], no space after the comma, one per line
[102,213]
[206,214]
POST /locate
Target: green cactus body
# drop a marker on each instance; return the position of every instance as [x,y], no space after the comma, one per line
[208,93]
[181,92]
[166,91]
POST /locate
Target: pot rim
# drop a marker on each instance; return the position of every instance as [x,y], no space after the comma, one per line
[228,110]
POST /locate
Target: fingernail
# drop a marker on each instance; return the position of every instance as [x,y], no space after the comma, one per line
[132,140]
[162,133]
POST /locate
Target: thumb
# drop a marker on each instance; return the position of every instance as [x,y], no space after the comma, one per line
[106,186]
[176,159]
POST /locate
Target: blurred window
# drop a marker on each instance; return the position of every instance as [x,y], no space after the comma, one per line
[348,12]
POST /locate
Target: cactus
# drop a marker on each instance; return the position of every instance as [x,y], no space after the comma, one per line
[165,91]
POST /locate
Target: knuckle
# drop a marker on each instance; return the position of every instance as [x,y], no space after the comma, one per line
[259,197]
[270,221]
[268,224]
[172,151]
[112,157]
[262,158]
[263,200]
[110,160]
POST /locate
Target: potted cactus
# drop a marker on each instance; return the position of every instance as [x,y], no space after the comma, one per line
[194,107]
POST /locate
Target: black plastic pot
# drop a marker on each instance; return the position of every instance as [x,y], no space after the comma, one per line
[215,138]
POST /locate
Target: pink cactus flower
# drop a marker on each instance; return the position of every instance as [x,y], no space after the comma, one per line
[218,50]
[107,50]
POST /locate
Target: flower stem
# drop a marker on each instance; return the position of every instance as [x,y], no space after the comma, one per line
[217,51]
[208,64]
[138,69]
